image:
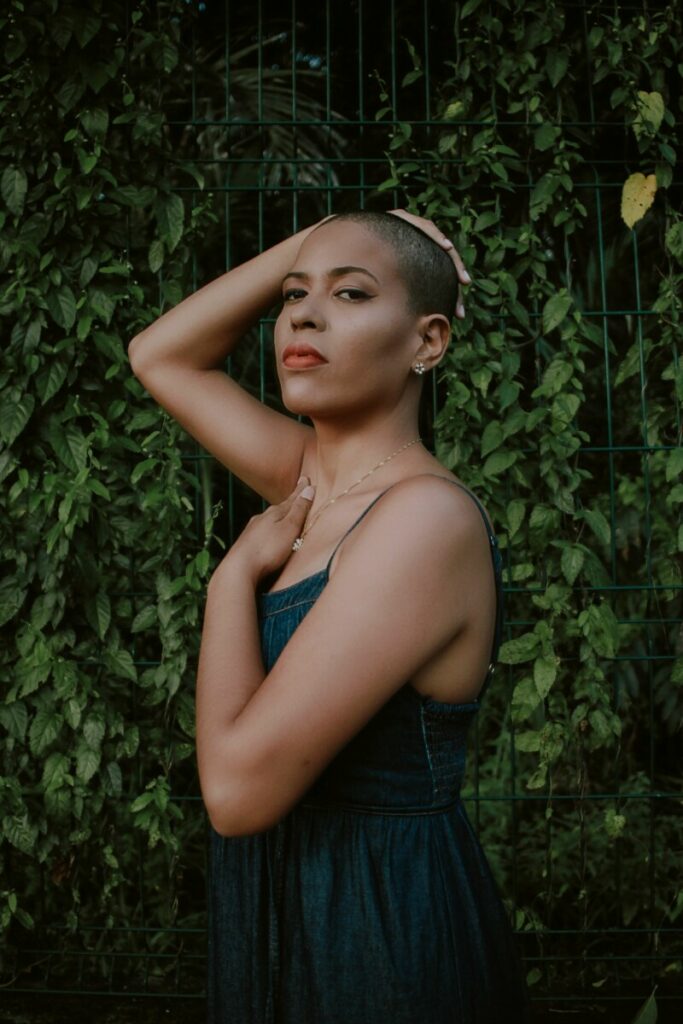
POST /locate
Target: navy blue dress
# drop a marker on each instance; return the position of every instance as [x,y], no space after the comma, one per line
[371,901]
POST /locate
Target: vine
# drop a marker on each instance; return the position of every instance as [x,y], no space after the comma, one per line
[545,393]
[104,570]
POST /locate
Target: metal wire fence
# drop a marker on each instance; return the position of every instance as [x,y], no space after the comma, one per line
[290,135]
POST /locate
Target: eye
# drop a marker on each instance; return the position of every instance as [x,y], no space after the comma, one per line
[353,294]
[292,293]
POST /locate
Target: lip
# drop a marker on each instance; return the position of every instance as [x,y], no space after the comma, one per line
[300,355]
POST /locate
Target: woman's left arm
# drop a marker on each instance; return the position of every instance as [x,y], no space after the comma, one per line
[402,589]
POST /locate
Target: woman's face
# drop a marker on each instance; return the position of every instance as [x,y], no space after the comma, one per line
[344,299]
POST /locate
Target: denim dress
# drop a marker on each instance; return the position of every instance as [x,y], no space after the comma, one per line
[371,901]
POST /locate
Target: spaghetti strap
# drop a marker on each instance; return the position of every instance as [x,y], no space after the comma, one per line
[495,557]
[497,560]
[354,525]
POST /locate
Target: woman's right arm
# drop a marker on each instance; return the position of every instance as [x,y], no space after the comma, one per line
[179,359]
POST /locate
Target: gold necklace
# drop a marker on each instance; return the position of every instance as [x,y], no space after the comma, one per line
[308,526]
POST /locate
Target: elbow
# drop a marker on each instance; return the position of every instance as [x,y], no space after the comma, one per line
[233,817]
[134,353]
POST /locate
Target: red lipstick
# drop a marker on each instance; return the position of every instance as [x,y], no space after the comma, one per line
[300,355]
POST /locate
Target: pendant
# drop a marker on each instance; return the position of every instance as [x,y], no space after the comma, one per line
[297,543]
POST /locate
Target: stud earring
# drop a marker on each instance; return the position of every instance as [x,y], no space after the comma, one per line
[419,368]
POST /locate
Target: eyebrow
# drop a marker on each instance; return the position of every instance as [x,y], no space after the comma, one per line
[335,272]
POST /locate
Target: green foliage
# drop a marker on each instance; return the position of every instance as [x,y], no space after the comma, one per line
[545,406]
[104,571]
[566,420]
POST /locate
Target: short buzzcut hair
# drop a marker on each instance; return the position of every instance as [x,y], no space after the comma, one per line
[428,272]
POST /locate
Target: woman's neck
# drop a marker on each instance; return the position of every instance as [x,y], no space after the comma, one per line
[343,457]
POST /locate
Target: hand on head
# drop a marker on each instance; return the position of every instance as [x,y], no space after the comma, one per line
[430,228]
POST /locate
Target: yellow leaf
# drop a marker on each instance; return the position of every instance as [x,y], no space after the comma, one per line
[637,196]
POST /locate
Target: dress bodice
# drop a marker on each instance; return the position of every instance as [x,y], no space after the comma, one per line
[412,752]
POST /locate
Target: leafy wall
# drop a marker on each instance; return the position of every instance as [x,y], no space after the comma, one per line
[555,130]
[144,146]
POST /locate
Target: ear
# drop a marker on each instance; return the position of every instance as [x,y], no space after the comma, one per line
[434,330]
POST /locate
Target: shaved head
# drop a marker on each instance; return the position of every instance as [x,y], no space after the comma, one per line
[428,273]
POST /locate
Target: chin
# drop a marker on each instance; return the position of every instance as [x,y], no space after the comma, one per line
[301,396]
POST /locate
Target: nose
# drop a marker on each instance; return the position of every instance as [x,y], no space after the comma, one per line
[306,313]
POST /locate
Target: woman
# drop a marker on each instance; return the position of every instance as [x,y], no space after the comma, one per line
[347,638]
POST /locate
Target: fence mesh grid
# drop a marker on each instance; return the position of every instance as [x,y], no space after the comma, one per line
[292,137]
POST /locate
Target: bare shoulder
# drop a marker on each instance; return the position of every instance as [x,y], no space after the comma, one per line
[433,516]
[438,500]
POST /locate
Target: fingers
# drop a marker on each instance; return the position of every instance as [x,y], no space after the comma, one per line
[301,506]
[304,491]
[284,507]
[448,247]
[430,228]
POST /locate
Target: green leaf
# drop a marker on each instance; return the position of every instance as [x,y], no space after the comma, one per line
[599,625]
[524,699]
[541,517]
[486,220]
[598,524]
[15,45]
[167,55]
[647,1014]
[93,730]
[13,186]
[557,373]
[563,410]
[649,114]
[674,464]
[14,717]
[133,195]
[497,462]
[145,619]
[89,268]
[97,487]
[528,742]
[555,310]
[448,142]
[83,327]
[51,378]
[120,662]
[86,26]
[492,437]
[469,8]
[539,777]
[674,241]
[69,94]
[113,779]
[19,831]
[664,174]
[15,412]
[519,649]
[545,673]
[170,214]
[556,64]
[545,137]
[44,730]
[515,513]
[87,762]
[571,562]
[141,469]
[70,445]
[62,306]
[72,712]
[614,823]
[55,771]
[98,613]
[95,122]
[155,255]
